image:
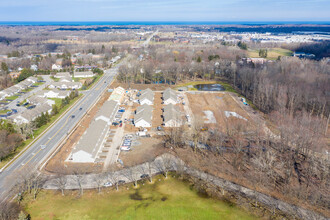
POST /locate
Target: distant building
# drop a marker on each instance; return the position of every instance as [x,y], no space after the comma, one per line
[304,55]
[34,67]
[55,93]
[56,67]
[87,74]
[65,85]
[62,75]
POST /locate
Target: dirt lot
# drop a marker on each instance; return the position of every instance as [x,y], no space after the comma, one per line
[57,163]
[217,103]
[154,87]
[147,150]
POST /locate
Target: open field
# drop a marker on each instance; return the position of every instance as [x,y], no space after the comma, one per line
[217,103]
[165,199]
[272,53]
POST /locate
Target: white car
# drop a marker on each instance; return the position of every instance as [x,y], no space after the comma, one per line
[107,184]
[125,148]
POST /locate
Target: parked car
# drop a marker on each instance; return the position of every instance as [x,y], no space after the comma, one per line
[125,148]
[73,116]
[121,182]
[143,176]
[107,184]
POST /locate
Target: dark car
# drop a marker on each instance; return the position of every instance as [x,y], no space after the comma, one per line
[80,109]
[143,176]
[18,104]
[121,182]
[73,116]
[115,123]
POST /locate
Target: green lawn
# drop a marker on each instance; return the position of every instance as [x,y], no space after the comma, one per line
[169,199]
[38,83]
[12,97]
[272,53]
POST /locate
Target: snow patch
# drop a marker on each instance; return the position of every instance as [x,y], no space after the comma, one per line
[210,119]
[234,114]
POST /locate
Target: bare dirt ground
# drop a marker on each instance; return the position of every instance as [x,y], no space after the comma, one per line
[57,162]
[154,87]
[217,103]
[146,151]
[157,112]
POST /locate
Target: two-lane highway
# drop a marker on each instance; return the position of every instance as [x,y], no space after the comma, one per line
[44,147]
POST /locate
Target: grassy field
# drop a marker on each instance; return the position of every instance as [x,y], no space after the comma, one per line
[272,53]
[169,199]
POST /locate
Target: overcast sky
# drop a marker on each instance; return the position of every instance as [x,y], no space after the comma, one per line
[164,10]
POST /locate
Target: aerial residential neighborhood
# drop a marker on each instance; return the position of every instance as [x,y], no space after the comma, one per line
[164,109]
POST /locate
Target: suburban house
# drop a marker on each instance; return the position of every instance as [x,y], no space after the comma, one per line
[170,97]
[32,79]
[172,116]
[65,85]
[88,148]
[31,114]
[14,75]
[55,93]
[66,79]
[143,116]
[87,74]
[147,97]
[37,100]
[56,67]
[62,75]
[34,67]
[117,94]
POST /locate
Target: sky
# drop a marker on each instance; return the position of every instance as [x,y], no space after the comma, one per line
[165,10]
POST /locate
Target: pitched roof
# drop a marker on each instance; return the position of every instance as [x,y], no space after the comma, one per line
[143,112]
[169,94]
[172,112]
[93,137]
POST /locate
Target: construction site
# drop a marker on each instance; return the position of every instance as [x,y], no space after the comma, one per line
[127,125]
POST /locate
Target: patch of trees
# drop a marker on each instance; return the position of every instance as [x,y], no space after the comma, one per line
[284,165]
[15,54]
[320,50]
[25,73]
[9,141]
[263,53]
[242,45]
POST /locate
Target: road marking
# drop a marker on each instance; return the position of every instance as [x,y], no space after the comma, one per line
[66,121]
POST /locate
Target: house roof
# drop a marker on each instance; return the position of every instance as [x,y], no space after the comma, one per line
[63,74]
[83,73]
[93,137]
[170,94]
[147,94]
[143,112]
[172,112]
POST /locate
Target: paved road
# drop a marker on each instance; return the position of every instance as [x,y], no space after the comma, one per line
[34,156]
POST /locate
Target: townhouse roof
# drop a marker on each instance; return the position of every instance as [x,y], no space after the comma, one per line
[172,112]
[143,112]
[169,94]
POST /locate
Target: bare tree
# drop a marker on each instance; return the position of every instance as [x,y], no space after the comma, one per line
[60,181]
